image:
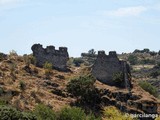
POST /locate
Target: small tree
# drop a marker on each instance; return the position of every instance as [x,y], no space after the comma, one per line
[133,59]
[91,52]
[83,88]
[146,50]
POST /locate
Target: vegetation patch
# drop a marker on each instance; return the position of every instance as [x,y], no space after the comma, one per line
[83,88]
[149,88]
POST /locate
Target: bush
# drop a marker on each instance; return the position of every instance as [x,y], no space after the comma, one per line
[118,78]
[112,113]
[92,117]
[28,116]
[29,59]
[147,61]
[149,88]
[47,65]
[26,60]
[48,69]
[153,53]
[83,88]
[43,112]
[77,61]
[9,113]
[22,85]
[2,102]
[133,59]
[32,59]
[72,113]
[78,86]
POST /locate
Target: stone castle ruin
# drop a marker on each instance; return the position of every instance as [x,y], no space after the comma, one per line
[110,70]
[58,58]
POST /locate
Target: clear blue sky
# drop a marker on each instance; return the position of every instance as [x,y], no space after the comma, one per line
[121,25]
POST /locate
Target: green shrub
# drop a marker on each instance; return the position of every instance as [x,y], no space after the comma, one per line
[32,59]
[9,113]
[149,88]
[153,53]
[78,86]
[133,59]
[22,85]
[43,112]
[2,102]
[112,113]
[28,116]
[147,61]
[118,77]
[47,65]
[26,60]
[92,117]
[83,87]
[72,113]
[29,59]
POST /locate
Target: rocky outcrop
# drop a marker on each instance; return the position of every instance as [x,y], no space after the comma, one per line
[58,58]
[107,67]
[130,103]
[137,101]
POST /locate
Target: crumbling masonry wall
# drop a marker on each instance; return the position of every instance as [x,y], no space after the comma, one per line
[106,66]
[58,58]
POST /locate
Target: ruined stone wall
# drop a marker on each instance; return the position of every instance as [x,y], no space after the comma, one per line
[58,58]
[106,66]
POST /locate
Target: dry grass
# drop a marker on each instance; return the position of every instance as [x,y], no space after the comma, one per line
[35,91]
[38,91]
[139,67]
